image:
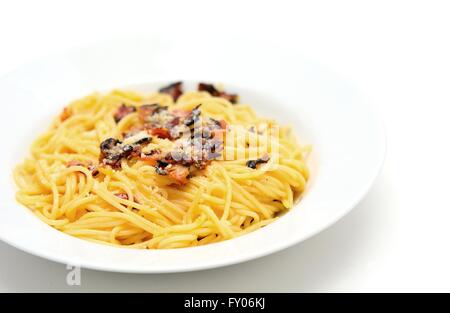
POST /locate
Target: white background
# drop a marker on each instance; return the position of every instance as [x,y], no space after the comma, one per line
[397,52]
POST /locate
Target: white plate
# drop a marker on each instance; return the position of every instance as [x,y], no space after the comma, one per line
[348,139]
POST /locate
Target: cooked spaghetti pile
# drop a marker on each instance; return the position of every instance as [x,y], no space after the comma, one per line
[167,170]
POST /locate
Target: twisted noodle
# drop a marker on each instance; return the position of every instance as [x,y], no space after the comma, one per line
[226,200]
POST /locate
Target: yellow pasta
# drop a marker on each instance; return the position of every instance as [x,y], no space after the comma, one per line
[132,203]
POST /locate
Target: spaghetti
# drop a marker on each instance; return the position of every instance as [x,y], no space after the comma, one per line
[167,170]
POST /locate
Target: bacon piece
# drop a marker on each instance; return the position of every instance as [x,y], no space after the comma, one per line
[160,132]
[223,124]
[179,173]
[233,98]
[150,159]
[175,121]
[147,110]
[90,166]
[123,111]
[218,134]
[175,90]
[122,195]
[137,150]
[66,113]
[208,88]
[180,113]
[74,163]
[217,129]
[94,169]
